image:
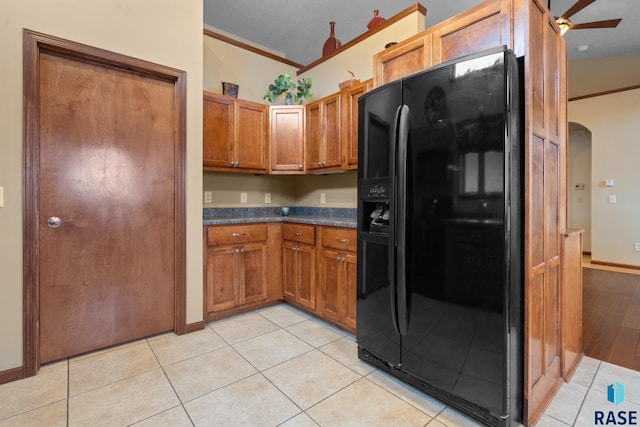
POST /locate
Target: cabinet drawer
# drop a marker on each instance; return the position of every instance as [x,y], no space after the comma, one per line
[343,239]
[299,233]
[230,235]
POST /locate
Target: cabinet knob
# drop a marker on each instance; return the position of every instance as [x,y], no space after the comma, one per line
[298,233]
[323,164]
[342,240]
[299,166]
[238,234]
[320,164]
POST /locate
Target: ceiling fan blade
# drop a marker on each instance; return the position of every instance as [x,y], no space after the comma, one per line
[577,7]
[610,23]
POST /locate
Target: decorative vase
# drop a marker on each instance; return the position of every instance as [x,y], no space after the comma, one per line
[288,99]
[230,89]
[332,43]
[376,20]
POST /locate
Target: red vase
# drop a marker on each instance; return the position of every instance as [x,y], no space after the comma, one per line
[377,20]
[332,43]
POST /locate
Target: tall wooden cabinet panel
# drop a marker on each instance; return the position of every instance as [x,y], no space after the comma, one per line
[287,135]
[323,145]
[234,134]
[349,113]
[545,203]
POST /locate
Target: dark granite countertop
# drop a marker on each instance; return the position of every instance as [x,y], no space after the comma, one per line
[337,217]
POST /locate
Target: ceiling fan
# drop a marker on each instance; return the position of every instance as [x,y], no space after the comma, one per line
[565,24]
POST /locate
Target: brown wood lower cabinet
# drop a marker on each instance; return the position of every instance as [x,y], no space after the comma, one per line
[337,276]
[239,268]
[253,265]
[299,265]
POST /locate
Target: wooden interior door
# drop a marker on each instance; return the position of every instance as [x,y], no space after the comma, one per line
[107,183]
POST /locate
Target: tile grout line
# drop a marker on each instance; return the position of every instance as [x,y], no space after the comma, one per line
[172,388]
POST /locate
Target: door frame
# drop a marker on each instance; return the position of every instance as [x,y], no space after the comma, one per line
[34,44]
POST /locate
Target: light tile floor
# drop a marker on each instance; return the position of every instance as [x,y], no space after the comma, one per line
[273,367]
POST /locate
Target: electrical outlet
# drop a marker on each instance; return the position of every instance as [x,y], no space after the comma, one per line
[243,197]
[323,198]
[636,246]
[208,197]
[612,199]
[267,197]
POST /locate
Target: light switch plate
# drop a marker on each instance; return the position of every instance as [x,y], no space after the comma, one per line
[208,197]
[612,199]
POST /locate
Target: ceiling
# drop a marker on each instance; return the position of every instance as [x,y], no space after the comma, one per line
[298,29]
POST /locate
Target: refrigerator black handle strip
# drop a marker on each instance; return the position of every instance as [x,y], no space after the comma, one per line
[402,297]
[392,221]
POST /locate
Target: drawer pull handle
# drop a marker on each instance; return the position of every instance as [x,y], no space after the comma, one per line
[342,240]
[238,234]
[298,233]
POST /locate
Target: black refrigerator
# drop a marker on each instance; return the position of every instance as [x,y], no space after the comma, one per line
[440,286]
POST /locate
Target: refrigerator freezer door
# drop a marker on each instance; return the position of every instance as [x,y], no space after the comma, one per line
[455,230]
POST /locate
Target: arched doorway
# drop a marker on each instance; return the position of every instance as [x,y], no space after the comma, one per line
[579,183]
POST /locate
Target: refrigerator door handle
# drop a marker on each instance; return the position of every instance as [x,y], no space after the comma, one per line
[402,297]
[393,294]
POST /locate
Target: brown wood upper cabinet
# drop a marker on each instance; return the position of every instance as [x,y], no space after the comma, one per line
[235,134]
[332,130]
[323,149]
[349,122]
[287,139]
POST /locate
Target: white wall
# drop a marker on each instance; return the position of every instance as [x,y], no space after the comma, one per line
[589,76]
[615,141]
[167,32]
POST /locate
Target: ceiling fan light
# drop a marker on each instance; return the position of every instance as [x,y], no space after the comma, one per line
[564,24]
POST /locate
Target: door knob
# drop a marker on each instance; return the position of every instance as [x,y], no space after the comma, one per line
[55,222]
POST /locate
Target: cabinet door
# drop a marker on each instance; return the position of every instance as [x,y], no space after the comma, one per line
[349,126]
[313,136]
[323,148]
[218,131]
[349,291]
[405,58]
[289,280]
[298,274]
[220,286]
[287,139]
[331,274]
[307,277]
[477,29]
[331,135]
[251,132]
[252,273]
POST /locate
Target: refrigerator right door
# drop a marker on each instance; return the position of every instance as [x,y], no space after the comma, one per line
[458,233]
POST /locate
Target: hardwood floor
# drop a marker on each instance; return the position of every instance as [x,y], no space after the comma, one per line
[611,316]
